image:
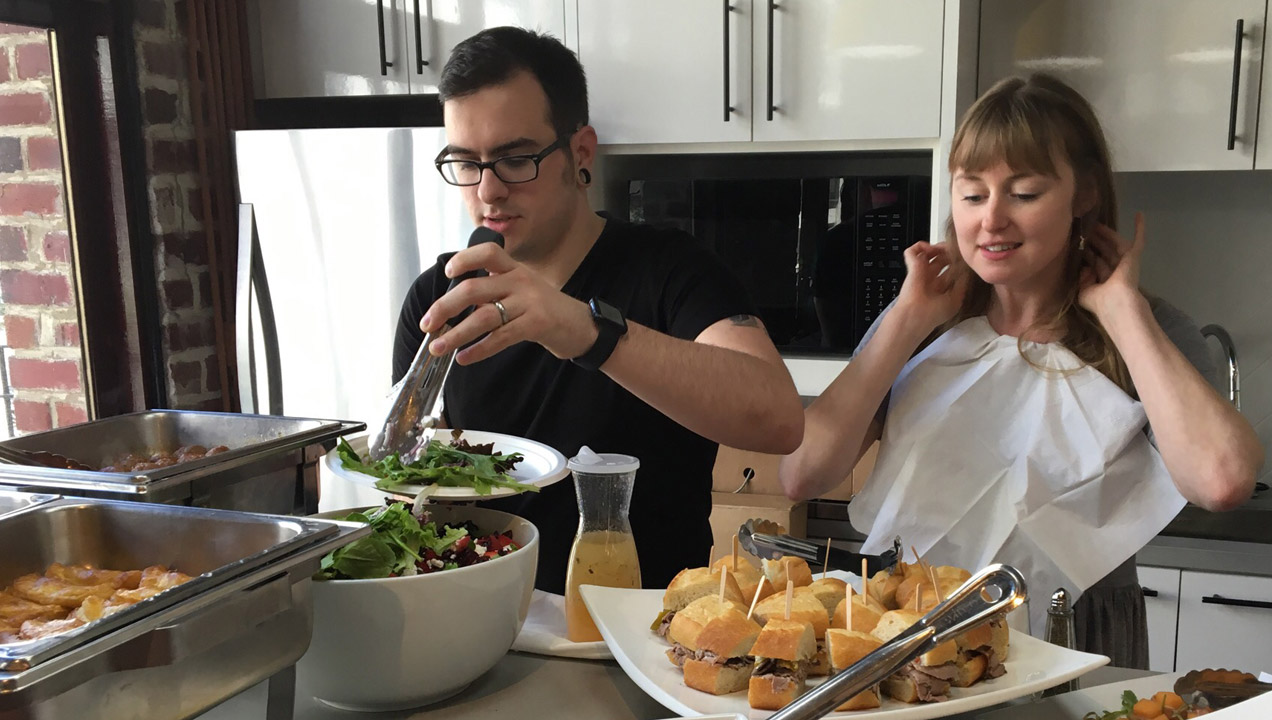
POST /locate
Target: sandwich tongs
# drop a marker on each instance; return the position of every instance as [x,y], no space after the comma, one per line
[766,539]
[991,592]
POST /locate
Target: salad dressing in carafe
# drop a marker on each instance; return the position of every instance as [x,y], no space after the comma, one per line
[604,551]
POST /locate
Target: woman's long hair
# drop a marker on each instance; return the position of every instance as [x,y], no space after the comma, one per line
[1028,124]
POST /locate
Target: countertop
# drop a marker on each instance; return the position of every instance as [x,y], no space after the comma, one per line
[533,686]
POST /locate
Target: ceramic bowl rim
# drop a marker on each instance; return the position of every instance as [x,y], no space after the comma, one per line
[453,573]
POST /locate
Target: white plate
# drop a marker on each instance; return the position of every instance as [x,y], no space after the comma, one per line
[544,632]
[542,465]
[1103,698]
[623,617]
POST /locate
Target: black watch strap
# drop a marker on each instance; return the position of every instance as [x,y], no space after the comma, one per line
[610,326]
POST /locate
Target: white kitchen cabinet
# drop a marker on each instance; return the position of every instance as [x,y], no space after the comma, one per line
[1263,146]
[1161,600]
[1160,73]
[316,48]
[653,81]
[665,71]
[847,69]
[1225,621]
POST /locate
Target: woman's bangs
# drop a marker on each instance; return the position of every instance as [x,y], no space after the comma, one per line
[1004,132]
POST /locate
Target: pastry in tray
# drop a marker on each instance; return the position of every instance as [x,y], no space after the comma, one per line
[65,597]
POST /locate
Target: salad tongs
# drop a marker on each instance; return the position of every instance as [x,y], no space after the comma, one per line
[416,411]
[995,590]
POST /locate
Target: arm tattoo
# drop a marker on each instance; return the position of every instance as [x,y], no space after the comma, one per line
[745,321]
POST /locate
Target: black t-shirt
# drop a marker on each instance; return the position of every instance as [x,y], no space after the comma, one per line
[663,279]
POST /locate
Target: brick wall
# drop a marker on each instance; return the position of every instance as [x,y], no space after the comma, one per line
[37,296]
[181,256]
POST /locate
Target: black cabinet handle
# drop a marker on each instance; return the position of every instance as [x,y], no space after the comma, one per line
[420,62]
[1236,85]
[728,107]
[769,77]
[384,52]
[1235,602]
[1149,593]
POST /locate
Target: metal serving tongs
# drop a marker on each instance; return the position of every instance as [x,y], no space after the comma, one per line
[767,539]
[993,591]
[416,411]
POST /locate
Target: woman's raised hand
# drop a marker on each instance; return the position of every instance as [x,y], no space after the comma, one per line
[1110,268]
[934,286]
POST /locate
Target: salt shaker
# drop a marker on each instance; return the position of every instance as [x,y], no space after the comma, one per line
[1060,632]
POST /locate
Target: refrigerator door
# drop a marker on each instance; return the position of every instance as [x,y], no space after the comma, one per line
[346,220]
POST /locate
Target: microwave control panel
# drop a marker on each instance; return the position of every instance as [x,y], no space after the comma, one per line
[883,234]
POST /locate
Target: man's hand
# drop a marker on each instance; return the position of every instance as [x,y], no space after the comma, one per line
[535,310]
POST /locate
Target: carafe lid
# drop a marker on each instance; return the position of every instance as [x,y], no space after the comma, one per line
[602,463]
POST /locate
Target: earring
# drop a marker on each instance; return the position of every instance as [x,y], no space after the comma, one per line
[1081,243]
[585,176]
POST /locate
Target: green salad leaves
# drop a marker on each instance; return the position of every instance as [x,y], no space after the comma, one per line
[1128,703]
[448,465]
[397,541]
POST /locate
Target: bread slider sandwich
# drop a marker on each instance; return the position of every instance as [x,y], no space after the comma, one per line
[787,567]
[925,679]
[747,576]
[782,652]
[689,585]
[829,592]
[846,647]
[981,653]
[711,641]
[805,608]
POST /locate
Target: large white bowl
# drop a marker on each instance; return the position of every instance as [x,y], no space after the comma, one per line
[405,642]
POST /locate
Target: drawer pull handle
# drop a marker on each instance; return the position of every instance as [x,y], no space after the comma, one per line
[1149,592]
[1236,602]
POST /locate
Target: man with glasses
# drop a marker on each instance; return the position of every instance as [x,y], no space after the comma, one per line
[588,330]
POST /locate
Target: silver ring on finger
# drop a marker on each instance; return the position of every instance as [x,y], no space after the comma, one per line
[503,312]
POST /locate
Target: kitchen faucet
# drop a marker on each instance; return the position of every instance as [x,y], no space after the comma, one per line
[1234,373]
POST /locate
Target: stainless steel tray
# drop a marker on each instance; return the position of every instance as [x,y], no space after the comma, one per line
[249,437]
[181,660]
[213,545]
[12,501]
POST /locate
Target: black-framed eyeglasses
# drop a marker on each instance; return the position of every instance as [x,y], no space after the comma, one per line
[510,169]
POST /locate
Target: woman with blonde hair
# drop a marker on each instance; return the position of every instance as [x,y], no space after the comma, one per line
[1033,406]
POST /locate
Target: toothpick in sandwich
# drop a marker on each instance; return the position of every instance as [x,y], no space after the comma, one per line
[826,561]
[758,589]
[724,577]
[735,552]
[790,595]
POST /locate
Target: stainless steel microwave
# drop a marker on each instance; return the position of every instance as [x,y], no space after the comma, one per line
[817,240]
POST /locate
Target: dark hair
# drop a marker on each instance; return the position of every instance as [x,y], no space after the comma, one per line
[493,56]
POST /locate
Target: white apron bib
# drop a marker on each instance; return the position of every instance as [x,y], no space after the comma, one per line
[985,458]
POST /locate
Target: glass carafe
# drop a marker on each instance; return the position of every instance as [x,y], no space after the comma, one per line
[604,551]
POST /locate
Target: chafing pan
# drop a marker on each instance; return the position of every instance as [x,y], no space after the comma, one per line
[263,471]
[247,617]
